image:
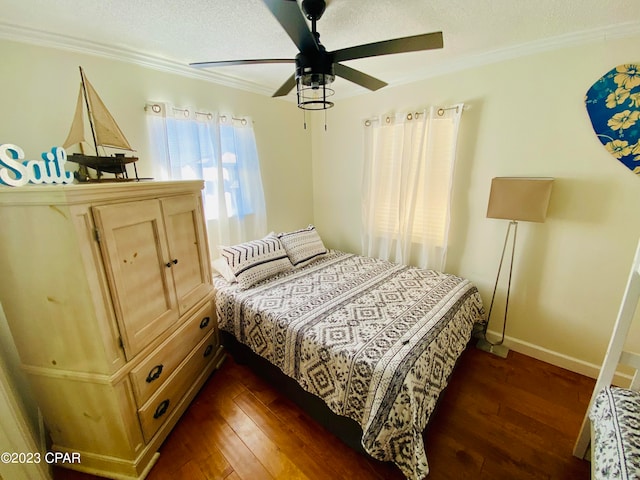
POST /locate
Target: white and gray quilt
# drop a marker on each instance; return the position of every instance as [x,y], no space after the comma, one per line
[615,450]
[375,340]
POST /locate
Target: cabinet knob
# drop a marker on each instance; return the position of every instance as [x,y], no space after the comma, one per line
[172,262]
[208,350]
[205,322]
[154,373]
[162,409]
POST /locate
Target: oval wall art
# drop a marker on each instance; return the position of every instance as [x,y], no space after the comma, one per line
[613,105]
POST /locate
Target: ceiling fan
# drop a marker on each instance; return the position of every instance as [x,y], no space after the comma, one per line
[315,67]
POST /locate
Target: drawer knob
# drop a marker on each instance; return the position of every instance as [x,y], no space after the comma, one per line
[205,321]
[162,409]
[154,373]
[172,262]
[208,350]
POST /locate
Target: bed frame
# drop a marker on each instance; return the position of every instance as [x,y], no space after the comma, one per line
[346,429]
[616,355]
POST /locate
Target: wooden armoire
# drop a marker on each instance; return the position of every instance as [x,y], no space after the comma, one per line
[108,295]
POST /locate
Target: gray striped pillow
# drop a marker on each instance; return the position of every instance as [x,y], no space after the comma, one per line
[257,260]
[303,246]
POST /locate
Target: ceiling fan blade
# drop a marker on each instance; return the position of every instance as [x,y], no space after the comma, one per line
[427,41]
[228,63]
[356,76]
[286,87]
[292,20]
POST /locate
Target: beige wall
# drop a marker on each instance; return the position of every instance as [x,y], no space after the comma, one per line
[525,117]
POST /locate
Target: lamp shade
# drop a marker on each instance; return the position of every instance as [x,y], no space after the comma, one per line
[519,198]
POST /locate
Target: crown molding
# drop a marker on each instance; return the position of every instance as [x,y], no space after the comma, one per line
[63,42]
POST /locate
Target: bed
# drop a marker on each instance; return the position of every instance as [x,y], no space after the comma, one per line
[610,432]
[375,341]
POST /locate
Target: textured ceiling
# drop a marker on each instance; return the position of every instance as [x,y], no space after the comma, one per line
[171,34]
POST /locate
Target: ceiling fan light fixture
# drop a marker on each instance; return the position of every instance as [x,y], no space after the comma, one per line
[315,80]
[314,74]
[312,91]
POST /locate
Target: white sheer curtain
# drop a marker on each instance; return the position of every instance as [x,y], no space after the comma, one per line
[220,150]
[407,183]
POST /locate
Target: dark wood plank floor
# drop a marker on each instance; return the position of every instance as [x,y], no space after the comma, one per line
[514,418]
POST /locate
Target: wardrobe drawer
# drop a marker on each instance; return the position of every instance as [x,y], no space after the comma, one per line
[160,406]
[151,374]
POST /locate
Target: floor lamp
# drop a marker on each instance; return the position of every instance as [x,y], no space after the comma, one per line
[517,199]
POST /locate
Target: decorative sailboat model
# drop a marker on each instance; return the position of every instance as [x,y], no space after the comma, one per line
[105,133]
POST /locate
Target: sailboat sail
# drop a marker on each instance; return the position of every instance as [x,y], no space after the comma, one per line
[108,134]
[76,132]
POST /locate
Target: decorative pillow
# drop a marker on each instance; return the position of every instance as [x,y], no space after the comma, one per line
[254,261]
[221,267]
[303,246]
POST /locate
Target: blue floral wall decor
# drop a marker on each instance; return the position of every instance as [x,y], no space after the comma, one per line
[613,104]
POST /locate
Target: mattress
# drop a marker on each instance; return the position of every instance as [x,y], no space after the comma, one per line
[376,341]
[615,447]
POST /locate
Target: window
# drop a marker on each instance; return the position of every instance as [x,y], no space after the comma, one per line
[221,151]
[407,185]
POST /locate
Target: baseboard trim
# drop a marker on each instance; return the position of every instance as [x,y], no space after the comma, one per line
[558,359]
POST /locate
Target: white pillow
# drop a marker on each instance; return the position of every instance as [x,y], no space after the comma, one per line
[257,260]
[221,267]
[303,246]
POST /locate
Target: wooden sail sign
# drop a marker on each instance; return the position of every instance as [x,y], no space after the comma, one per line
[105,133]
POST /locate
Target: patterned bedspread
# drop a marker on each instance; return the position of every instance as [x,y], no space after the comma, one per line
[615,417]
[375,340]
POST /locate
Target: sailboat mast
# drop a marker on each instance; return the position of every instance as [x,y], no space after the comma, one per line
[86,101]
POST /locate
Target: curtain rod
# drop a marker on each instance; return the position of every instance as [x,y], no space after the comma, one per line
[222,118]
[441,110]
[186,112]
[156,108]
[411,115]
[241,120]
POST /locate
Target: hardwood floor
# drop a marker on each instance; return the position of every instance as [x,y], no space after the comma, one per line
[514,418]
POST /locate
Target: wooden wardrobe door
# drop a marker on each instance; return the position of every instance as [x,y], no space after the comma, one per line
[188,248]
[138,264]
